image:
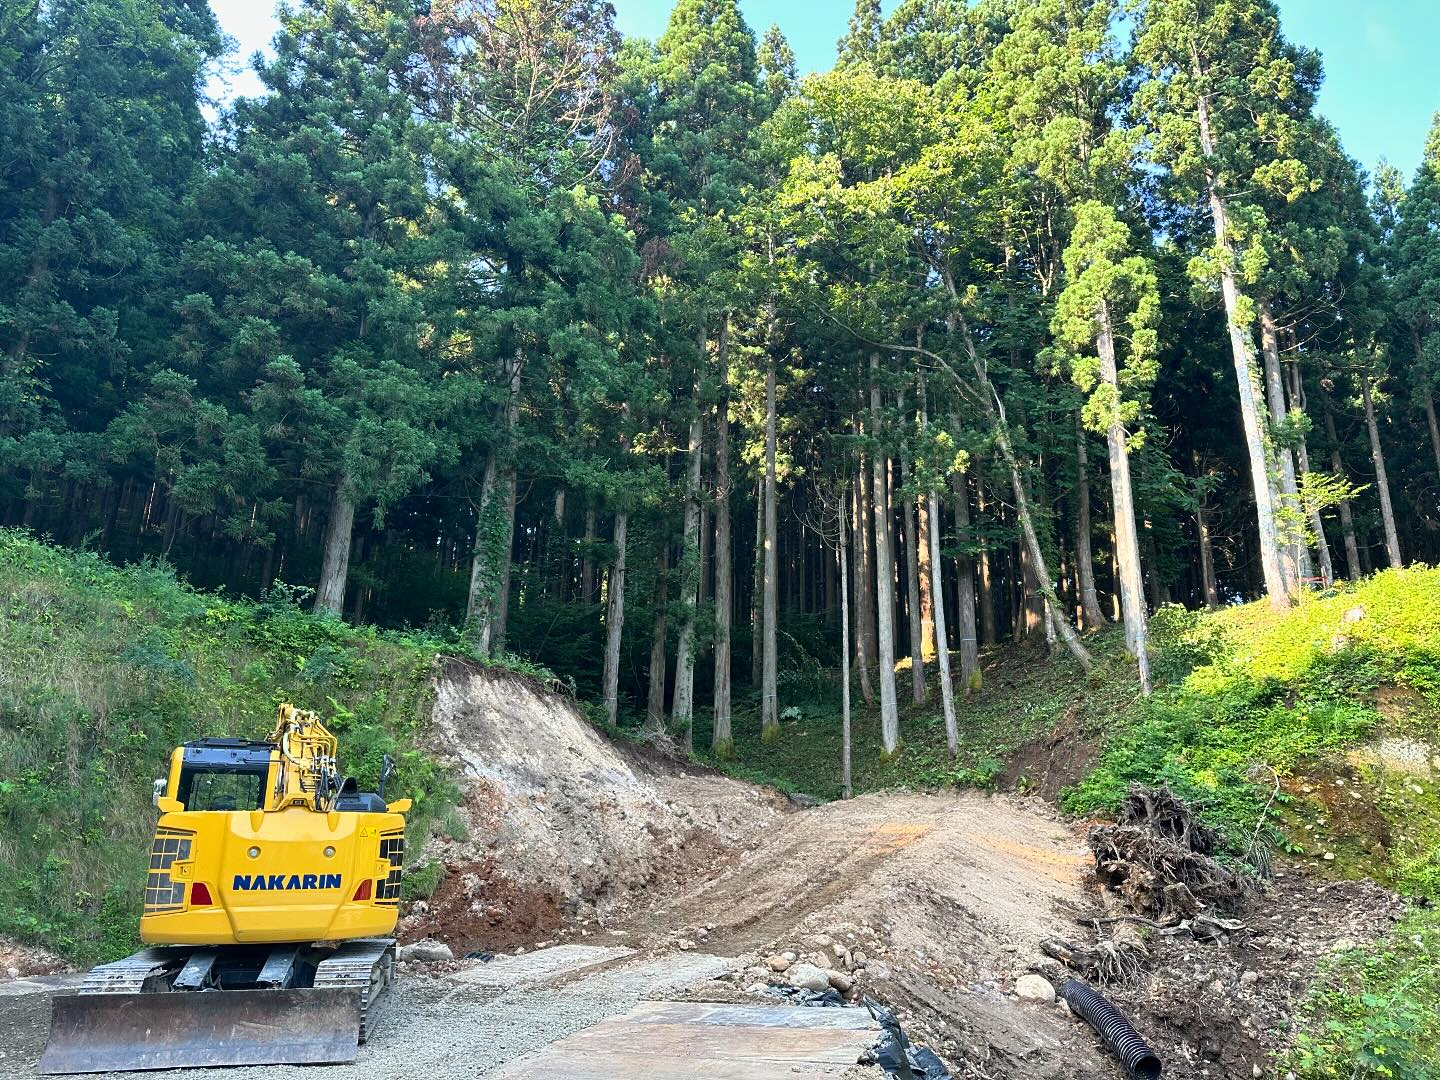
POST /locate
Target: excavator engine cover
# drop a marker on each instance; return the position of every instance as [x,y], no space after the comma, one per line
[191,1029]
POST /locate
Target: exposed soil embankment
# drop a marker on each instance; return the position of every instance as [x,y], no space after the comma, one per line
[559,823]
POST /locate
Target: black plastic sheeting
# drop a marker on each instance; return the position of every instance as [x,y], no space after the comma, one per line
[798,995]
[894,1054]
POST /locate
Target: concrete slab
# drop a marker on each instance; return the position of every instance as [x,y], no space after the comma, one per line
[667,1040]
[539,967]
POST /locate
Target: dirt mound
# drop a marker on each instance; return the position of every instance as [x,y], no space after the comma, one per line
[933,903]
[558,822]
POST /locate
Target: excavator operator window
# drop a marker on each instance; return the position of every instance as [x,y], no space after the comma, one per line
[222,790]
[224,774]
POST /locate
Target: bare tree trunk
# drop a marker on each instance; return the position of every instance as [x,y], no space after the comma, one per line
[1294,551]
[965,591]
[912,590]
[501,616]
[1347,517]
[1027,530]
[1207,559]
[335,564]
[1302,457]
[1382,482]
[682,709]
[884,585]
[587,558]
[988,634]
[864,590]
[557,562]
[927,588]
[615,619]
[1127,548]
[845,754]
[1252,409]
[721,741]
[655,699]
[1084,554]
[942,649]
[769,694]
[757,590]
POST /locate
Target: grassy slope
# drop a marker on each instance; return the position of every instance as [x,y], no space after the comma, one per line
[103,670]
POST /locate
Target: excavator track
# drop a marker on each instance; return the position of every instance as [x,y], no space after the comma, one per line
[366,965]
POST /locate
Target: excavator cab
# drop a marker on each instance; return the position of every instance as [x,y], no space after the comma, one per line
[272,879]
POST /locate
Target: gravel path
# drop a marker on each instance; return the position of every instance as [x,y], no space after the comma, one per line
[430,1028]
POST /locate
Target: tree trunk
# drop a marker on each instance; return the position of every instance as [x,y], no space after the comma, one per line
[1084,555]
[1036,554]
[615,619]
[912,590]
[655,701]
[1207,559]
[335,565]
[682,710]
[721,741]
[1302,457]
[1347,517]
[1252,409]
[1127,547]
[884,585]
[942,649]
[769,694]
[500,619]
[757,590]
[587,558]
[556,561]
[986,599]
[927,587]
[864,593]
[1382,482]
[1294,551]
[965,591]
[845,778]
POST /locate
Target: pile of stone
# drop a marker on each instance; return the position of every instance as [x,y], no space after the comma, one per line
[821,964]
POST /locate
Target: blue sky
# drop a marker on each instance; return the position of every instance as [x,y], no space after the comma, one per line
[1381,88]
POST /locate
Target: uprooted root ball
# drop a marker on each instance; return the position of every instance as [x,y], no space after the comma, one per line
[1158,860]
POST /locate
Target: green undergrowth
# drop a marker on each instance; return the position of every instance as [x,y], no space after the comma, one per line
[1256,704]
[104,669]
[1025,695]
[1374,1012]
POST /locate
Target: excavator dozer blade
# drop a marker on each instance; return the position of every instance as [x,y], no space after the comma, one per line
[126,1032]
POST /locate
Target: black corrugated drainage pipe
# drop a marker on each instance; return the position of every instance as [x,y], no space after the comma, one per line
[1140,1061]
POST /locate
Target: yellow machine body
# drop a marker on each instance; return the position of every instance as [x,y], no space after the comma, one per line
[274,883]
[284,864]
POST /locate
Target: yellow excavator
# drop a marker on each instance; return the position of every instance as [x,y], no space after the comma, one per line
[270,905]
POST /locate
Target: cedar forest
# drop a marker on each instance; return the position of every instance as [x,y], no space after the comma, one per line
[650,360]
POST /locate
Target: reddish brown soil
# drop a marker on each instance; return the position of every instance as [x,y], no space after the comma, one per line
[474,908]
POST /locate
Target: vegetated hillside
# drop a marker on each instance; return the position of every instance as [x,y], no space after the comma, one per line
[103,670]
[1311,735]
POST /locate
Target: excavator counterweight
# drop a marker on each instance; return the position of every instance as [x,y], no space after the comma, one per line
[271,897]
